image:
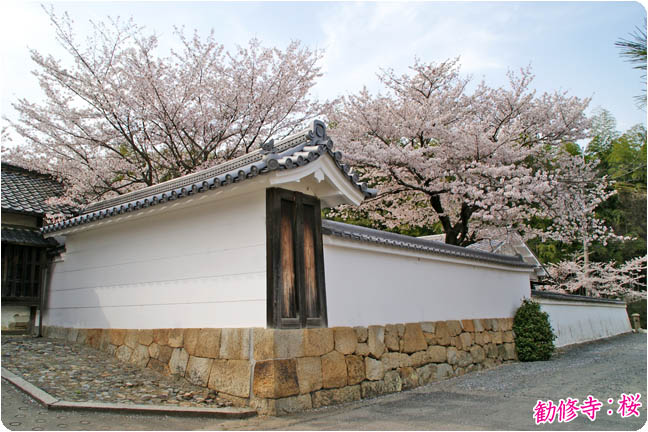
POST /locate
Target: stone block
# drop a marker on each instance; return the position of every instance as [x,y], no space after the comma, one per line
[318,341]
[154,350]
[161,336]
[291,404]
[370,389]
[454,327]
[309,374]
[374,369]
[93,338]
[393,382]
[235,343]
[157,365]
[275,378]
[495,324]
[130,340]
[392,341]
[361,333]
[496,337]
[178,362]
[466,340]
[468,325]
[140,356]
[464,358]
[486,337]
[508,337]
[355,369]
[376,340]
[477,324]
[111,349]
[428,327]
[409,378]
[419,359]
[443,371]
[334,372]
[427,373]
[236,401]
[198,370]
[442,334]
[362,349]
[477,353]
[117,336]
[491,350]
[336,396]
[486,324]
[288,343]
[123,353]
[165,353]
[346,340]
[82,334]
[395,360]
[190,340]
[413,339]
[452,354]
[72,334]
[478,338]
[145,337]
[437,354]
[176,338]
[104,340]
[509,350]
[208,343]
[233,377]
[489,363]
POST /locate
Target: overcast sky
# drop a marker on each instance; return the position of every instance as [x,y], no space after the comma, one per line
[570,46]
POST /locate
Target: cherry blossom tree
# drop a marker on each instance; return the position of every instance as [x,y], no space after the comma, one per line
[605,279]
[117,116]
[488,159]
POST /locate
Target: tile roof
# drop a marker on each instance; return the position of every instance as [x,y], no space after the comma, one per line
[370,235]
[25,236]
[292,152]
[25,192]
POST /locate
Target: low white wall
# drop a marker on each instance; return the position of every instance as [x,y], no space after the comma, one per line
[582,321]
[186,264]
[372,284]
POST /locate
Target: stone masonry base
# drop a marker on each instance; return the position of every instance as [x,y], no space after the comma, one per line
[283,371]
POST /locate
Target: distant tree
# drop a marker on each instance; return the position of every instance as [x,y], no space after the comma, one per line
[467,162]
[122,117]
[605,279]
[634,50]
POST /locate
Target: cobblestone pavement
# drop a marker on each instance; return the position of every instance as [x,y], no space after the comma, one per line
[78,373]
[20,413]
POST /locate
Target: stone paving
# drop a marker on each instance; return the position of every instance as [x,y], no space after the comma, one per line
[78,373]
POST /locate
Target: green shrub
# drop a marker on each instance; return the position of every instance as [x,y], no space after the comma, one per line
[533,334]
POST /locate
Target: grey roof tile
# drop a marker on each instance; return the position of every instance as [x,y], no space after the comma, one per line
[292,152]
[370,235]
[26,192]
[25,236]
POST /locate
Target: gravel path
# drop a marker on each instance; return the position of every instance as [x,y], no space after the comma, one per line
[75,372]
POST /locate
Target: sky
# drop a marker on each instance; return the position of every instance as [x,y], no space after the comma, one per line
[569,45]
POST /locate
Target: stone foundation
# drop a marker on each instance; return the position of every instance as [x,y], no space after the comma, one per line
[283,371]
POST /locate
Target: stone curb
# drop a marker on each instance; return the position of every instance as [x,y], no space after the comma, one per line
[51,403]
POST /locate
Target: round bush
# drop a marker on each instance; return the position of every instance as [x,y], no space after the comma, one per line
[533,334]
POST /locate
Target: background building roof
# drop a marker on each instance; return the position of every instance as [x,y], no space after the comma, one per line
[26,192]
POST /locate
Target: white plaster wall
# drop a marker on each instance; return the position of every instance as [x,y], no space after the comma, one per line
[198,265]
[575,322]
[370,284]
